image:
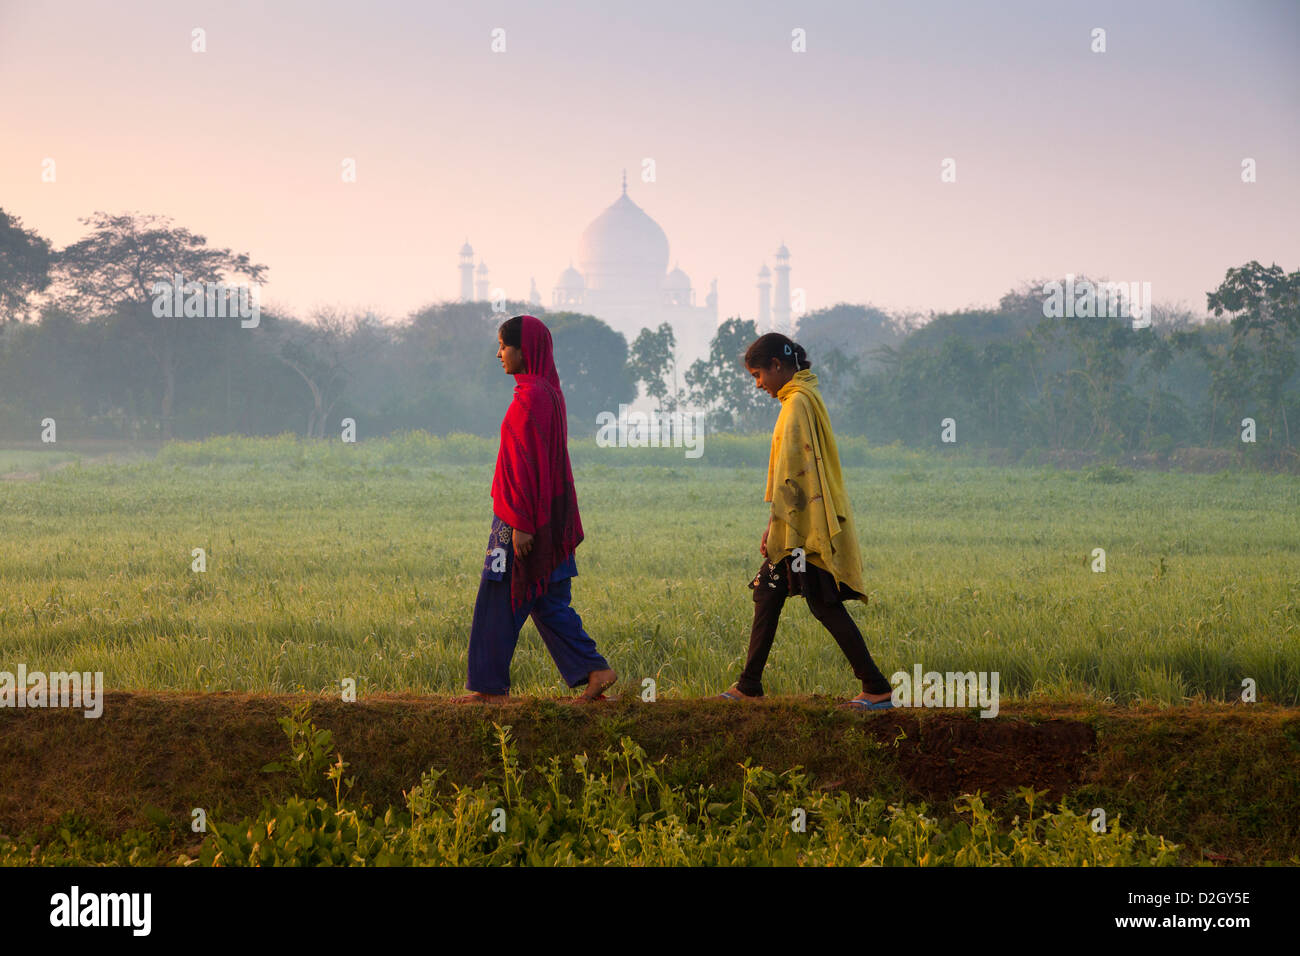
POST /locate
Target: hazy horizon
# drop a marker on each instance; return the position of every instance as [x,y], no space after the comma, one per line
[1124,164]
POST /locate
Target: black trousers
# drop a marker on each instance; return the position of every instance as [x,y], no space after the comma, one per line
[772,586]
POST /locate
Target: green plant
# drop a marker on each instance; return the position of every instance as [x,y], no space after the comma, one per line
[1108,475]
[309,749]
[618,810]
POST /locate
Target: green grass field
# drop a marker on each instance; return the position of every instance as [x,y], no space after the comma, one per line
[327,561]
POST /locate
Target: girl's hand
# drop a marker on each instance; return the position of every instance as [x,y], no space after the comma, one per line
[524,542]
[762,545]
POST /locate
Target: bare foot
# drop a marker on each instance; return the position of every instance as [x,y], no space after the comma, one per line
[597,682]
[474,697]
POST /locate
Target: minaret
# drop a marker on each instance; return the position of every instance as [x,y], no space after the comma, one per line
[764,299]
[781,307]
[534,297]
[466,272]
[481,292]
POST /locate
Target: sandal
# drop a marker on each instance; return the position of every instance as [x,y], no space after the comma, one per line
[861,703]
[734,693]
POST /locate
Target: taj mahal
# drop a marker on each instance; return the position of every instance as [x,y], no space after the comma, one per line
[622,278]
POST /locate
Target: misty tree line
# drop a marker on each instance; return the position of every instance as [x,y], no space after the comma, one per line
[80,342]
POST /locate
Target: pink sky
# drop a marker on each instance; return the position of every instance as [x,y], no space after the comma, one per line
[1124,164]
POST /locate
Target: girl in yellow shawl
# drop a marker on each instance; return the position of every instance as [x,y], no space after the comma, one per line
[810,546]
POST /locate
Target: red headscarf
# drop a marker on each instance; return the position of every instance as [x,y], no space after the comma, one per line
[532,489]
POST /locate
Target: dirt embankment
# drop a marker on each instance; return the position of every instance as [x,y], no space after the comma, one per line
[1224,780]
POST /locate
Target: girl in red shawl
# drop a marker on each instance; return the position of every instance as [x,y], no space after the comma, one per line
[535,529]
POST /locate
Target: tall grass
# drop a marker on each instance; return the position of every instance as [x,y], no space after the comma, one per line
[327,561]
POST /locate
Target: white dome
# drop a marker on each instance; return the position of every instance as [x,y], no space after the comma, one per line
[677,281]
[571,279]
[623,241]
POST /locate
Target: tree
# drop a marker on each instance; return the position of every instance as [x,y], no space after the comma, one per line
[315,351]
[1267,301]
[721,384]
[116,269]
[1159,354]
[440,371]
[841,341]
[855,330]
[653,362]
[591,359]
[25,261]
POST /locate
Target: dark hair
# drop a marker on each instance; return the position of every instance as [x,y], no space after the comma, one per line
[774,345]
[512,331]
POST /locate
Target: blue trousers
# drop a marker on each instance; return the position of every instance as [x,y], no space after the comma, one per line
[495,632]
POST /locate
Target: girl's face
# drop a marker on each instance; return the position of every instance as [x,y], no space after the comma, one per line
[773,378]
[511,358]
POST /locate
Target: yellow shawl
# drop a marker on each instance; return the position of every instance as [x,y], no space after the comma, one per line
[806,488]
